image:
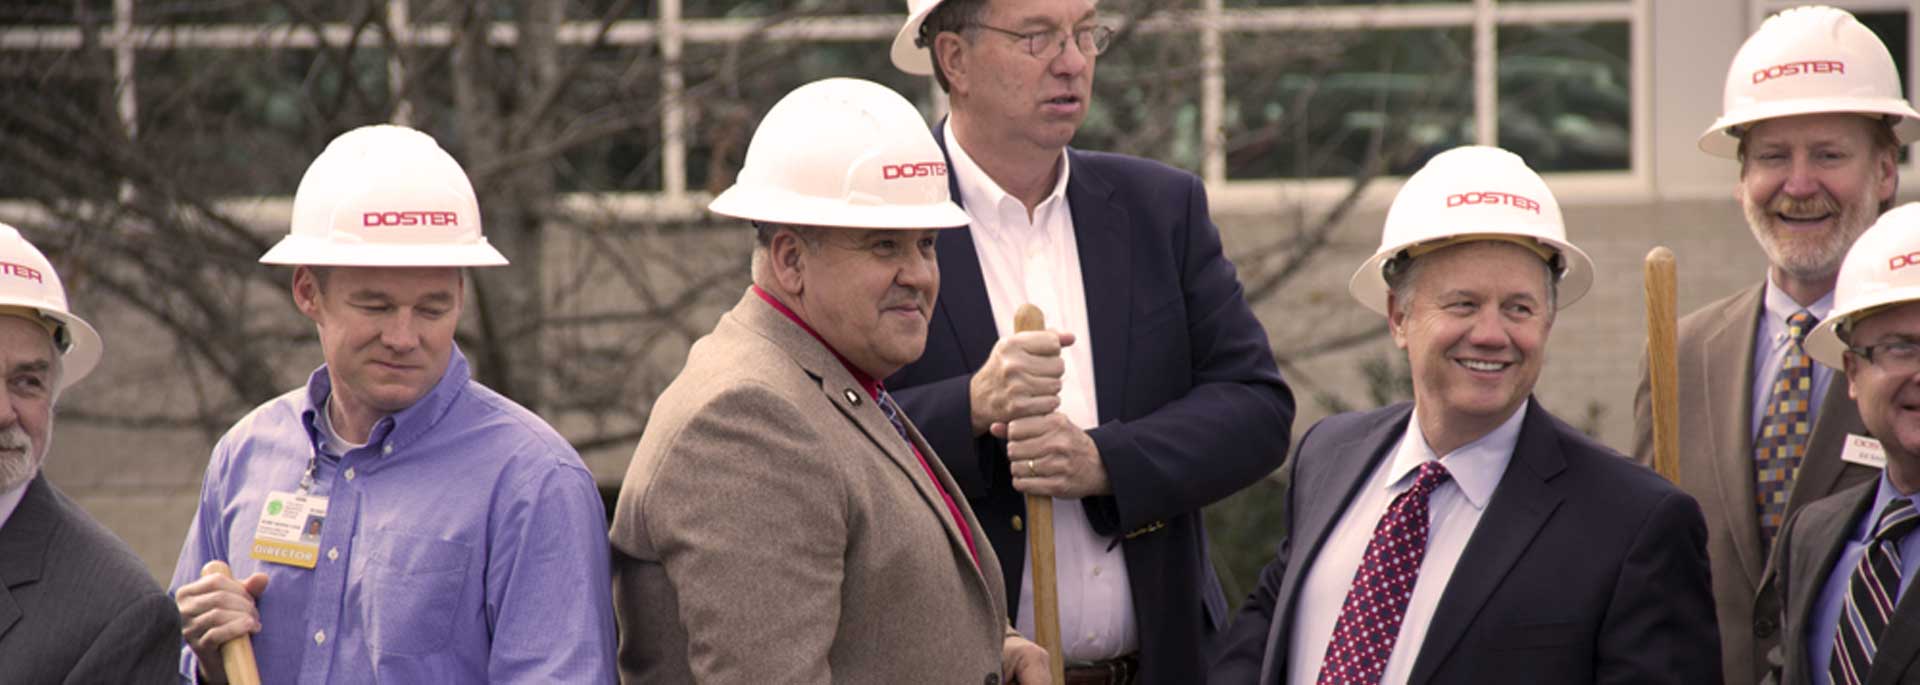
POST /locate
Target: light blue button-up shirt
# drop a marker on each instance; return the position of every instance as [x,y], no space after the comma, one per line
[1825,619]
[465,543]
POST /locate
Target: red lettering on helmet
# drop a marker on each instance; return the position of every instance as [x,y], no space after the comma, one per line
[21,271]
[1814,66]
[912,170]
[1493,197]
[1901,261]
[417,217]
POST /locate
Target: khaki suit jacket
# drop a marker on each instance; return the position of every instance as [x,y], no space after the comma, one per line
[1716,467]
[774,528]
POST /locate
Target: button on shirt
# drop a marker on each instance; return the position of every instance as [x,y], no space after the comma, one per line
[474,551]
[1453,511]
[1037,260]
[1770,349]
[1825,618]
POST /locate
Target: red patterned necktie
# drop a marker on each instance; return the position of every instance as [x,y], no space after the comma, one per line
[1782,438]
[1377,603]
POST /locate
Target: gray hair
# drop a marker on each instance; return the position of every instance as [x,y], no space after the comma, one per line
[953,16]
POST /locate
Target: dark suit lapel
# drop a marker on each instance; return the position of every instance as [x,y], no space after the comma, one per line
[1521,505]
[23,547]
[963,307]
[1826,536]
[1899,644]
[1729,380]
[1100,229]
[1325,496]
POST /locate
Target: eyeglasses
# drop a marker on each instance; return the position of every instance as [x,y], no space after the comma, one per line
[1899,357]
[1050,43]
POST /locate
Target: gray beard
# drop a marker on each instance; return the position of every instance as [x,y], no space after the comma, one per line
[16,470]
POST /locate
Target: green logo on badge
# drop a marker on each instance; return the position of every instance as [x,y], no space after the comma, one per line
[273,508]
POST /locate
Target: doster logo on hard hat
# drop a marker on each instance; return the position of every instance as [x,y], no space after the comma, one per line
[1809,60]
[385,196]
[1472,193]
[1874,276]
[28,282]
[843,152]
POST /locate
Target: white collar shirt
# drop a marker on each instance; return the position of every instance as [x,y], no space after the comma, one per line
[1036,260]
[1453,512]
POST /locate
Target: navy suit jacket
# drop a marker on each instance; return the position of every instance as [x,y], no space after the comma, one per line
[1191,405]
[1584,568]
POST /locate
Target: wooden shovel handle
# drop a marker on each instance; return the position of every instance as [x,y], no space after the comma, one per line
[236,654]
[1046,594]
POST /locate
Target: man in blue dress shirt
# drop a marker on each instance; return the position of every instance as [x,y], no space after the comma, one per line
[460,538]
[1844,564]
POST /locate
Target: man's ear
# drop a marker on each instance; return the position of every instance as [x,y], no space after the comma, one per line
[1396,320]
[306,292]
[953,53]
[1889,162]
[788,254]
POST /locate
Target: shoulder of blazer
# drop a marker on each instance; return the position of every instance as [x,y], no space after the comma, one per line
[1711,318]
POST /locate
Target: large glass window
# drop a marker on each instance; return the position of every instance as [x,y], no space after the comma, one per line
[1565,104]
[1316,104]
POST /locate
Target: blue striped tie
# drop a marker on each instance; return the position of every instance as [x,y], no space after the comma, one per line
[1870,596]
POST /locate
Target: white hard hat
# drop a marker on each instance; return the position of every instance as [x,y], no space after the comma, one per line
[908,55]
[1470,193]
[385,196]
[27,280]
[1882,268]
[843,152]
[1809,60]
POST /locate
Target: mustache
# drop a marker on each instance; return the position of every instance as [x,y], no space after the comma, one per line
[1812,206]
[902,296]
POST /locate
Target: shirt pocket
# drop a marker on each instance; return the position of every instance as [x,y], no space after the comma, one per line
[414,584]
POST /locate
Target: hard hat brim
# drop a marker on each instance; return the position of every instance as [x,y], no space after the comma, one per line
[1369,282]
[1719,139]
[84,346]
[908,57]
[780,206]
[303,250]
[1824,344]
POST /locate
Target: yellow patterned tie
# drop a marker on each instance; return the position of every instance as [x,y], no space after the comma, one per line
[1782,439]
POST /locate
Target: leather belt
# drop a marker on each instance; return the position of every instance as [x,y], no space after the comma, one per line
[1116,671]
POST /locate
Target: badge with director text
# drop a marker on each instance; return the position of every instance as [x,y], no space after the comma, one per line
[289,529]
[1864,451]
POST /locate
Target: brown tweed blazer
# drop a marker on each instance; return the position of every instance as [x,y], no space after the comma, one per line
[774,528]
[1715,347]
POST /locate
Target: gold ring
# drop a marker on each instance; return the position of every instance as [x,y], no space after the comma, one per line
[1030,471]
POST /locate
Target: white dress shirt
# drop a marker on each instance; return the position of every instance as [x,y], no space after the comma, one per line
[10,500]
[1037,260]
[1453,511]
[1770,349]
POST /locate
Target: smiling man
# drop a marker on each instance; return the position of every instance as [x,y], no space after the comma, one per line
[782,521]
[1469,536]
[1815,116]
[1846,563]
[1153,394]
[460,539]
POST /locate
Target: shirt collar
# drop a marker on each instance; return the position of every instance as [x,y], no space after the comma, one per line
[10,500]
[1883,493]
[867,383]
[1476,466]
[401,428]
[1780,305]
[977,189]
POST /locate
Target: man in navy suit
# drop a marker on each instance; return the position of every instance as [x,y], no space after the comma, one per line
[1152,394]
[1470,536]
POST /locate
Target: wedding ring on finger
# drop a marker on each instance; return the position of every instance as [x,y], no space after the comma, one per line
[1031,473]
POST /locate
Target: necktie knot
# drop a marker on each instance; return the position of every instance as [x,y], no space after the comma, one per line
[1798,325]
[1432,475]
[1896,520]
[892,411]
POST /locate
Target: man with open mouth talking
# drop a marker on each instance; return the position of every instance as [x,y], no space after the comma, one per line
[1470,536]
[1814,114]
